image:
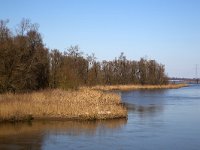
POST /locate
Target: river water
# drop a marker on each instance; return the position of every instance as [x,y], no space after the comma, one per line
[157,119]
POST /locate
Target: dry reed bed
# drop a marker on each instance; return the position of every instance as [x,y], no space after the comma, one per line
[85,104]
[137,87]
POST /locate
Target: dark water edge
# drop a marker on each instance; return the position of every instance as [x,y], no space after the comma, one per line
[157,119]
[32,135]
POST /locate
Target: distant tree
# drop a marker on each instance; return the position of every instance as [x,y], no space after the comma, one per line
[5,33]
[26,64]
[74,52]
[93,70]
[162,78]
[6,56]
[152,67]
[56,62]
[24,61]
[23,27]
[142,64]
[134,75]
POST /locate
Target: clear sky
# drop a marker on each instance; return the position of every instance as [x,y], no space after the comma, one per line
[165,30]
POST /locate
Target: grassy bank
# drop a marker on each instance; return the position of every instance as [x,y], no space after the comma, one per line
[137,87]
[84,104]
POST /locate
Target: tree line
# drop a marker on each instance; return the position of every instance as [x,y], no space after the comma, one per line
[26,64]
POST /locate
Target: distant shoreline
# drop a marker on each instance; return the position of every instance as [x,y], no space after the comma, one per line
[87,103]
[136,87]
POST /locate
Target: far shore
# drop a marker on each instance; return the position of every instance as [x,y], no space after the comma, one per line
[136,87]
[86,103]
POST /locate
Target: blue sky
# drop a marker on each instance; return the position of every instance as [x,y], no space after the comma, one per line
[165,30]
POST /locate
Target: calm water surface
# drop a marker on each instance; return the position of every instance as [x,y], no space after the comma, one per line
[158,119]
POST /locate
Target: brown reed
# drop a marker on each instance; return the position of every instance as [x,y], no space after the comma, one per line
[84,104]
[136,87]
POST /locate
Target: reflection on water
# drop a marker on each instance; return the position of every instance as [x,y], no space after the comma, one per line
[157,119]
[32,135]
[132,108]
[145,97]
[145,103]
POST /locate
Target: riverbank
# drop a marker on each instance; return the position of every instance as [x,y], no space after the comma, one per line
[136,87]
[84,104]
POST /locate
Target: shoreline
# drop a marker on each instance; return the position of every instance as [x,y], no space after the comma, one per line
[87,103]
[136,87]
[83,104]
